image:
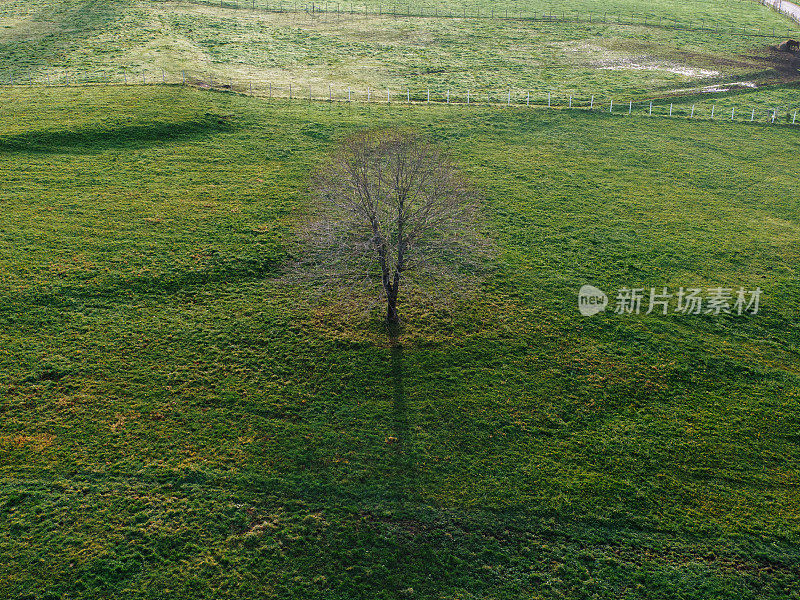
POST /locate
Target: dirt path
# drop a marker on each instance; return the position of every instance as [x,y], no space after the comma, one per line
[787,8]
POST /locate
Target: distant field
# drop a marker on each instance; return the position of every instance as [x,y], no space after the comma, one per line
[113,40]
[180,416]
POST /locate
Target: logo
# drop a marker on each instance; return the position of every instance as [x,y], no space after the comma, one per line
[591,300]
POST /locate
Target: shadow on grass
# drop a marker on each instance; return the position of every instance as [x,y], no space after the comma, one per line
[96,139]
[405,469]
[171,282]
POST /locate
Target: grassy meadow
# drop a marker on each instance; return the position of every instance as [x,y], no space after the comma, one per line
[118,40]
[184,416]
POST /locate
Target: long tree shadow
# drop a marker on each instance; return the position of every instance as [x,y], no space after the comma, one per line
[405,461]
[97,139]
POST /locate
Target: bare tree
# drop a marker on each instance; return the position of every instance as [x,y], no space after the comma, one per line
[393,204]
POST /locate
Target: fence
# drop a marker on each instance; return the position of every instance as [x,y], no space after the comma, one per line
[397,9]
[716,109]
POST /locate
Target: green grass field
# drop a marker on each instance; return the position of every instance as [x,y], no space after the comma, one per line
[183,417]
[42,40]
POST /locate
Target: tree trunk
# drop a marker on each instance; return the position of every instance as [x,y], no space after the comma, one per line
[391,311]
[391,300]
